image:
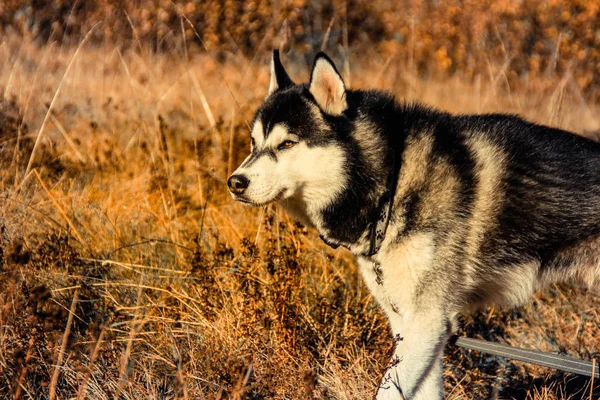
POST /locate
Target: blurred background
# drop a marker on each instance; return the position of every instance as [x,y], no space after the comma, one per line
[531,39]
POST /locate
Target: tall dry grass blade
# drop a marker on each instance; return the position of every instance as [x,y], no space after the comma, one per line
[346,48]
[60,85]
[554,60]
[576,90]
[135,326]
[216,63]
[14,68]
[379,80]
[260,223]
[63,346]
[23,371]
[241,385]
[59,208]
[134,31]
[170,88]
[278,228]
[411,47]
[205,106]
[555,102]
[64,36]
[187,62]
[65,136]
[177,360]
[495,79]
[328,33]
[258,49]
[593,375]
[83,386]
[230,152]
[26,107]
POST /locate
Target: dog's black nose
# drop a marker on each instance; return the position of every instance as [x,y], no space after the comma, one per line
[238,183]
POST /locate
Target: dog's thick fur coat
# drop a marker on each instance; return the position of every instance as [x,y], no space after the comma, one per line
[486,208]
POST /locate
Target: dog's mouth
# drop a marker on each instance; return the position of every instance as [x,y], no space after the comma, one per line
[244,200]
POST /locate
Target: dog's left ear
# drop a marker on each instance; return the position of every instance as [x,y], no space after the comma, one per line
[279,78]
[327,86]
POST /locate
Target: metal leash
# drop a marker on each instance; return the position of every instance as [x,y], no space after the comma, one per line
[557,361]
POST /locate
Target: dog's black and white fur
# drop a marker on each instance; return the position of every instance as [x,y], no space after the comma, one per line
[485,209]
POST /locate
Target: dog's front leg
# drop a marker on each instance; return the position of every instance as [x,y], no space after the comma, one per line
[415,371]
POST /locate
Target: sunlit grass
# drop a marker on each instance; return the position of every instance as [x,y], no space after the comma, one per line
[122,216]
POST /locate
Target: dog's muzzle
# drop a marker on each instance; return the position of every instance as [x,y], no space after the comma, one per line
[238,184]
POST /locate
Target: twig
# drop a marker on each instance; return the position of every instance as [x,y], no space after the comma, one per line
[63,346]
[328,33]
[88,374]
[24,368]
[135,327]
[592,382]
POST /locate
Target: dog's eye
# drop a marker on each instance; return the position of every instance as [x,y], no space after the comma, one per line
[286,145]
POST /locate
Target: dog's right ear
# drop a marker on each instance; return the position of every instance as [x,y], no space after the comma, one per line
[327,86]
[279,78]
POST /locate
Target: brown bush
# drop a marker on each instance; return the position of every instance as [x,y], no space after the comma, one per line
[531,38]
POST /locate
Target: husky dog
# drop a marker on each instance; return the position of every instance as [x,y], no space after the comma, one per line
[444,213]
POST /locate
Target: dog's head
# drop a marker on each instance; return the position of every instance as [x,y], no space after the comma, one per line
[298,137]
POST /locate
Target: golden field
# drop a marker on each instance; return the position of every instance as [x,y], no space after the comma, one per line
[126,270]
[531,39]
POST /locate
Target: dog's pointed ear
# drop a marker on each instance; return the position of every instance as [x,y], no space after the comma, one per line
[279,78]
[327,86]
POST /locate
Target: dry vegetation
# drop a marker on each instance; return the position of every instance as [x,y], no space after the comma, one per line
[127,272]
[531,39]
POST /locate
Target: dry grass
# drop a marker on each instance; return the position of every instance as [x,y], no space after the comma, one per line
[127,271]
[533,38]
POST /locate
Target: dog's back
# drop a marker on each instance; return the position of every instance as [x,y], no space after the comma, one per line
[519,203]
[551,211]
[551,207]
